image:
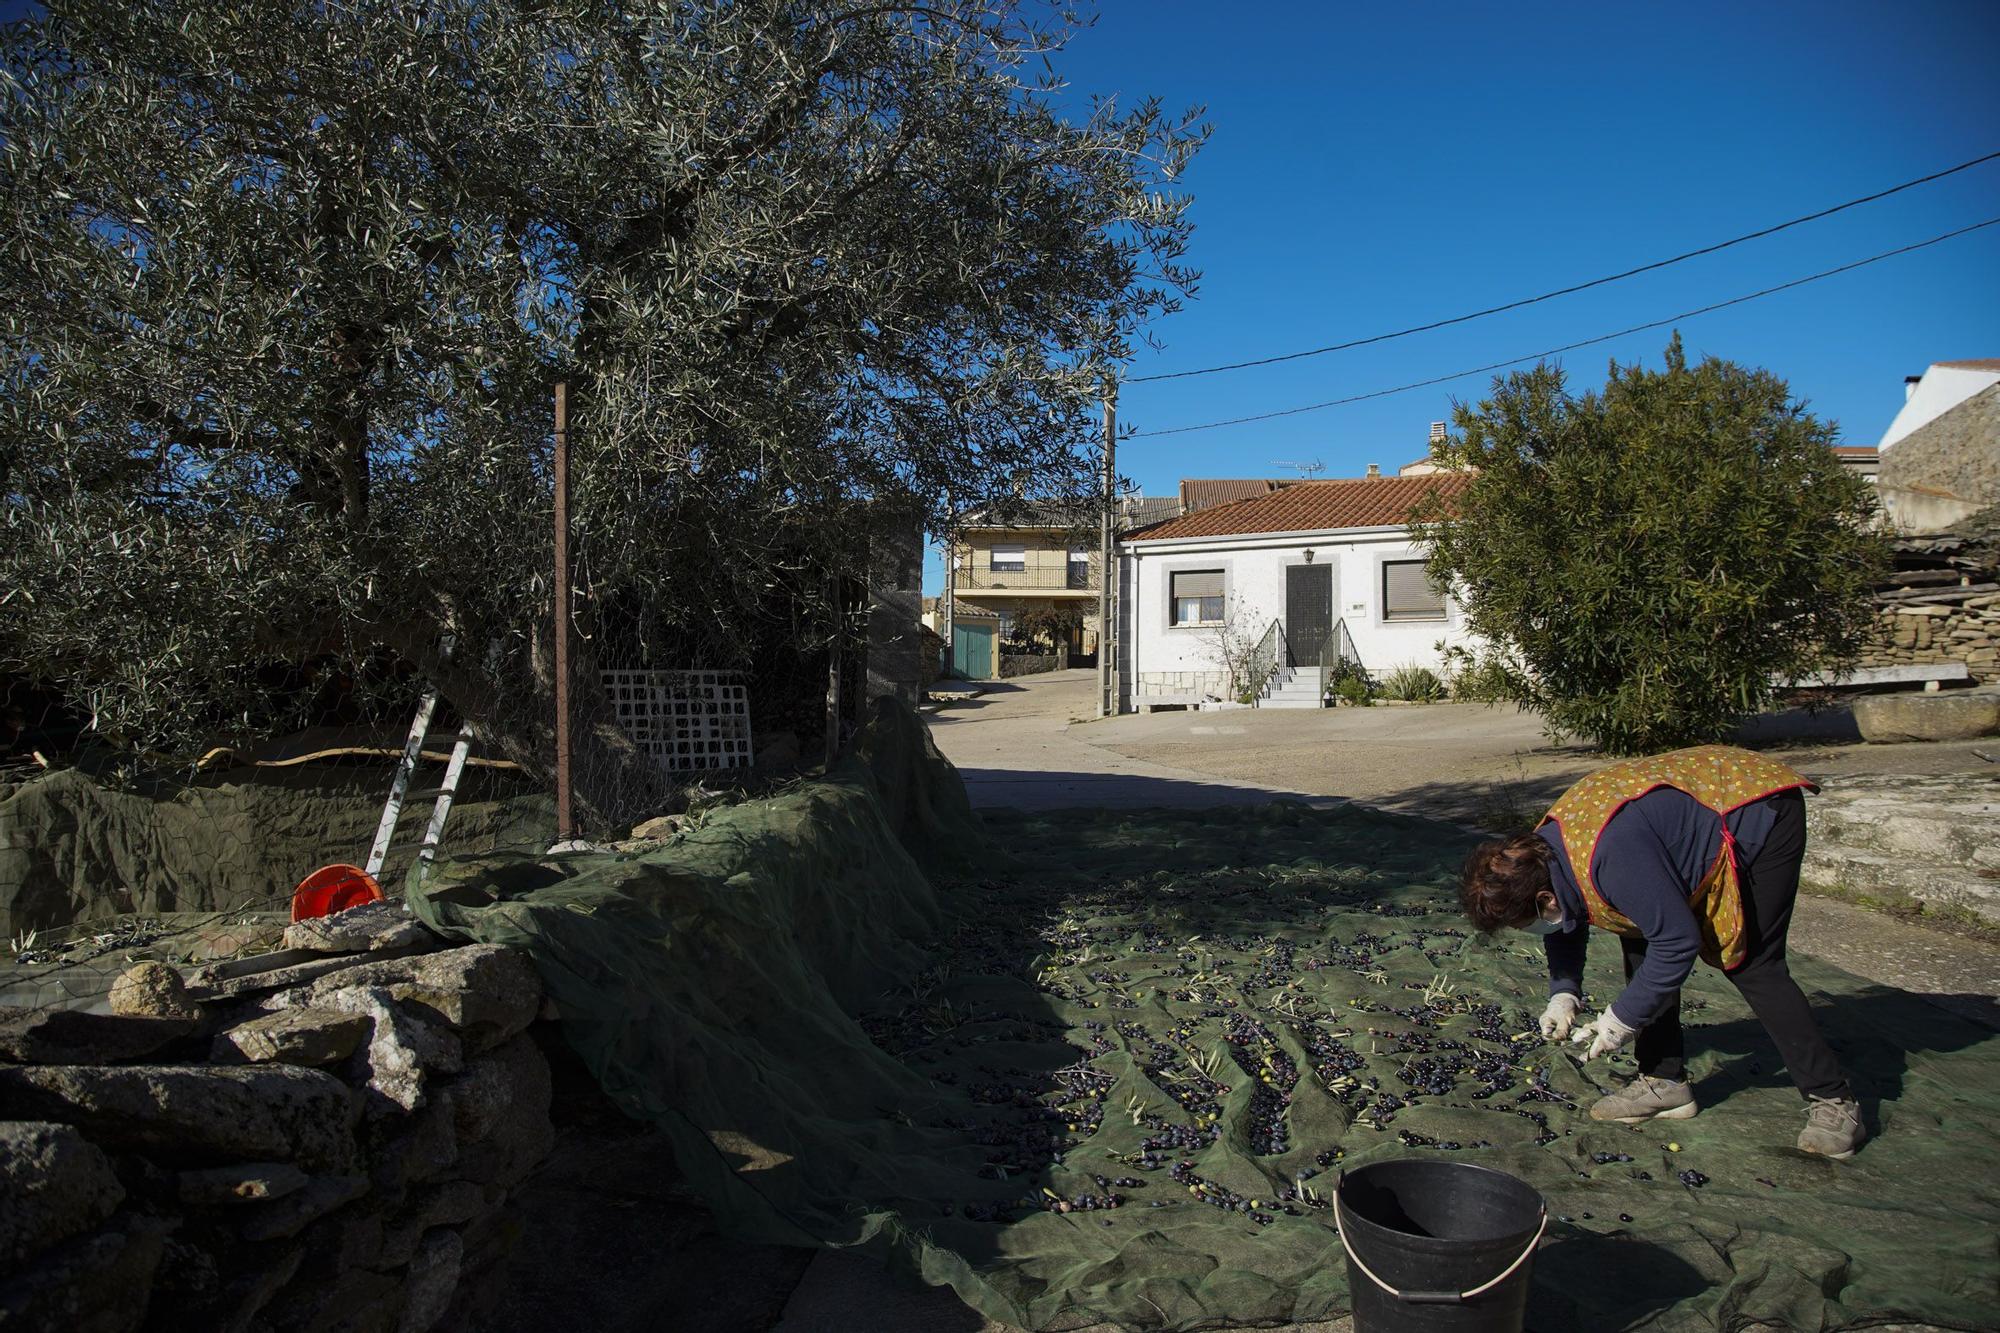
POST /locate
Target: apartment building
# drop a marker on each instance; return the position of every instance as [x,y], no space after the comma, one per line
[1012,556]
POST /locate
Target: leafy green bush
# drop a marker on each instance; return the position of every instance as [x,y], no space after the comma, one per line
[1644,562]
[1413,684]
[1474,679]
[1343,679]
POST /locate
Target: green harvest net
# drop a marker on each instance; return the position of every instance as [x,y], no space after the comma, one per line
[1202,1017]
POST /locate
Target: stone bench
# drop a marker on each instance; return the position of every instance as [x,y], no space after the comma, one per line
[1915,716]
[1931,674]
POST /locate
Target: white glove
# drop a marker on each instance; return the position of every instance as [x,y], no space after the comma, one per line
[1603,1035]
[1561,1013]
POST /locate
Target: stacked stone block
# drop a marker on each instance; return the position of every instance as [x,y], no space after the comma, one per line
[323,1138]
[1964,629]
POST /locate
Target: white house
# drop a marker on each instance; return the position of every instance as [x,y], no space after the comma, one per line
[1316,559]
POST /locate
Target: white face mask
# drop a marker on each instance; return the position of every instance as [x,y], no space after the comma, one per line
[1542,925]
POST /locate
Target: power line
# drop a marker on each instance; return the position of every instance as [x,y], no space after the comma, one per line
[1571,347]
[1579,287]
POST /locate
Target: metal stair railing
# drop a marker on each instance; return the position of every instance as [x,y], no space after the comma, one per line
[1337,648]
[1270,654]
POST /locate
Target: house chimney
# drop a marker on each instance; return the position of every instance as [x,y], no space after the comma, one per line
[1910,383]
[1437,432]
[1374,469]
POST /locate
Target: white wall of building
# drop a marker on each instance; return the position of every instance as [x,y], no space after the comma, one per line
[1942,388]
[1168,663]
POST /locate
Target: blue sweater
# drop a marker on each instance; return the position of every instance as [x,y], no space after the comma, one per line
[1652,855]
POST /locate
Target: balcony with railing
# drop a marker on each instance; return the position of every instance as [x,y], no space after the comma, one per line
[1044,578]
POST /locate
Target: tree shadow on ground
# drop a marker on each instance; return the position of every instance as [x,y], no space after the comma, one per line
[1500,806]
[612,1237]
[1004,788]
[1829,724]
[1876,1032]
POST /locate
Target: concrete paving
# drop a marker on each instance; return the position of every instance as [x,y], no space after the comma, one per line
[1015,744]
[1466,762]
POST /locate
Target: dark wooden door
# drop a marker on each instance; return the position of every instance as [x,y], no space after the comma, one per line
[1308,611]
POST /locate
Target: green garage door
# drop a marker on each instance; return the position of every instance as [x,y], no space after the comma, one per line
[972,650]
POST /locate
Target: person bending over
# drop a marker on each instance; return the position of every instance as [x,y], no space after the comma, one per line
[1690,854]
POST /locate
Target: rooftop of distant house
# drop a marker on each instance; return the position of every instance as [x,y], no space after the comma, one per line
[1208,492]
[1134,511]
[1312,506]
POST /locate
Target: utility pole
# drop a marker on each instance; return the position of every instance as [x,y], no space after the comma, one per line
[949,602]
[1107,678]
[565,812]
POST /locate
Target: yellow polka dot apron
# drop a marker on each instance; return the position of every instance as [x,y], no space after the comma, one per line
[1721,777]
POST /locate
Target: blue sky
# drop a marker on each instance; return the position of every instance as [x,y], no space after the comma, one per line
[1374,167]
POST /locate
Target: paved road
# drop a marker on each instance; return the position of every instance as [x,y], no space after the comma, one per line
[1467,762]
[1015,745]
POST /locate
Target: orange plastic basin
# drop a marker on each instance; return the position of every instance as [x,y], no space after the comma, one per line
[333,889]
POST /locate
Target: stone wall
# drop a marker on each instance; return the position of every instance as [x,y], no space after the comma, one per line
[1964,630]
[1027,664]
[320,1138]
[1179,686]
[895,607]
[1923,842]
[1945,470]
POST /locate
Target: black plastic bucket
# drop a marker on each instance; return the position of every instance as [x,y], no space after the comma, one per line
[1436,1245]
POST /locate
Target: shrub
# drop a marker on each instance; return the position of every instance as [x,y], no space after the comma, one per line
[1476,680]
[1413,684]
[1354,689]
[1642,563]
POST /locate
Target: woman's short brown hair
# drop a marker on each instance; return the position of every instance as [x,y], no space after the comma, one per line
[1501,879]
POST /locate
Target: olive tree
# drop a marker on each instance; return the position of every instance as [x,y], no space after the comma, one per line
[1643,564]
[287,286]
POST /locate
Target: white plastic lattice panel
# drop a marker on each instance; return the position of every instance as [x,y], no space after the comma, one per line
[688,721]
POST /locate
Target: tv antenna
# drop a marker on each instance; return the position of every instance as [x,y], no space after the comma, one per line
[1306,471]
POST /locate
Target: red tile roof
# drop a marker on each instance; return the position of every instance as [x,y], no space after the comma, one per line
[1207,492]
[1857,451]
[1311,506]
[1989,363]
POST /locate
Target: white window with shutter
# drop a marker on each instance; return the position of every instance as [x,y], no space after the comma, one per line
[1408,593]
[1078,578]
[1196,597]
[1008,559]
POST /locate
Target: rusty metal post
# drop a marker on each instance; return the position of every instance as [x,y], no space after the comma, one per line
[565,809]
[833,681]
[1107,574]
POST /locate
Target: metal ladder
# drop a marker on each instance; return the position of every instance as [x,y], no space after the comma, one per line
[399,791]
